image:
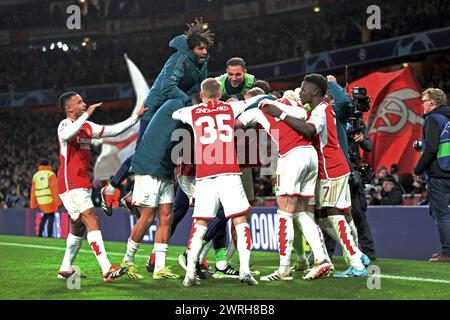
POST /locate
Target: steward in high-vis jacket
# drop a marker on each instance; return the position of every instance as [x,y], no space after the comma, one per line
[44,195]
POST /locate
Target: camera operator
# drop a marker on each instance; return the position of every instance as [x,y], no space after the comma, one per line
[361,173]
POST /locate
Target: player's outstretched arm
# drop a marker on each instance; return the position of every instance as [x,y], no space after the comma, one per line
[67,129]
[99,131]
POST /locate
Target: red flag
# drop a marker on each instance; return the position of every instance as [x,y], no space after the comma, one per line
[396,118]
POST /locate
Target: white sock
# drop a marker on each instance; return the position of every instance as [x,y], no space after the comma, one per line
[204,251]
[326,226]
[110,189]
[244,247]
[194,246]
[73,244]
[346,241]
[132,248]
[285,240]
[354,231]
[160,250]
[312,234]
[95,240]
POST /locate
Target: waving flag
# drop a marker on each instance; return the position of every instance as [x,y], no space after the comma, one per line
[118,149]
[396,118]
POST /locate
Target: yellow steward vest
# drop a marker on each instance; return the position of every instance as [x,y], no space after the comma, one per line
[42,188]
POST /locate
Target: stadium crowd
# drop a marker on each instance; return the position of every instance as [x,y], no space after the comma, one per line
[256,42]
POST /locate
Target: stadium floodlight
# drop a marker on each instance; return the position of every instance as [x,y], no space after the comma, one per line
[52,46]
[44,49]
[316,9]
[59,44]
[65,47]
[405,65]
[83,44]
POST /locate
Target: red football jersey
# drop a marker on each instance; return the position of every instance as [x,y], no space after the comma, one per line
[332,161]
[213,125]
[282,134]
[75,158]
[75,139]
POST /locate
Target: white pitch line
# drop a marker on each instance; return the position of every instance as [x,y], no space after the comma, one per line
[33,246]
[386,276]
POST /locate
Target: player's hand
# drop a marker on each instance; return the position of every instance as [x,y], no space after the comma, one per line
[141,111]
[358,137]
[90,110]
[268,107]
[331,78]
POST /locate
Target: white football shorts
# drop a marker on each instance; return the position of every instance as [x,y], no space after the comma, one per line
[152,191]
[297,173]
[226,190]
[335,193]
[76,201]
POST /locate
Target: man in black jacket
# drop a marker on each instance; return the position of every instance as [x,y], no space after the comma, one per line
[390,194]
[434,102]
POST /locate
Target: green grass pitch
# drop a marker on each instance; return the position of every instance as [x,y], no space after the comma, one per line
[29,266]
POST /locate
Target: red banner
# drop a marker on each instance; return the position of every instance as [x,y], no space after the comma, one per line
[395,120]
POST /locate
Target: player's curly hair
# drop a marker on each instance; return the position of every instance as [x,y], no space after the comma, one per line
[197,34]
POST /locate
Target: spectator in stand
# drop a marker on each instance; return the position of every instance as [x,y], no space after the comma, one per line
[14,199]
[390,195]
[381,174]
[28,67]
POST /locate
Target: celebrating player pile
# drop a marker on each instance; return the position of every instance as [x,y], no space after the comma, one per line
[217,175]
[296,181]
[333,189]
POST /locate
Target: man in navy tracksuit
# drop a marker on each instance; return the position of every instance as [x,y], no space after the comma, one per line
[178,80]
[433,162]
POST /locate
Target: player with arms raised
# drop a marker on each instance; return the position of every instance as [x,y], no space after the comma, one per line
[75,135]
